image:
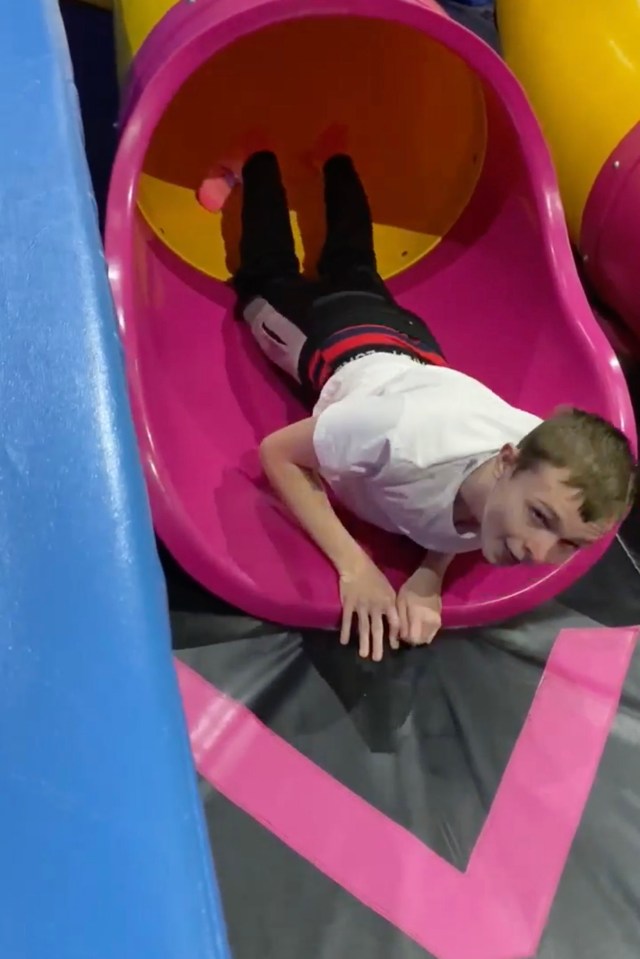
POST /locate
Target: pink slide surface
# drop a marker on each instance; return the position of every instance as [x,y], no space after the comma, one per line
[500,291]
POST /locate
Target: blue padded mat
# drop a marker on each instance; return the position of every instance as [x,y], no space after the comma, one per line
[104,850]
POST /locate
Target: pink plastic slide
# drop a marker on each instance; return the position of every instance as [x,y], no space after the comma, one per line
[500,291]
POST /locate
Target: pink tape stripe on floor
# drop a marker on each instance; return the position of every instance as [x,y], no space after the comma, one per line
[498,907]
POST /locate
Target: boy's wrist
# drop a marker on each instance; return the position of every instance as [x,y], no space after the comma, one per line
[436,564]
[351,561]
[426,581]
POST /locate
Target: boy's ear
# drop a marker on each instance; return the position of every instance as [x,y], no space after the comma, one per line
[563,408]
[507,459]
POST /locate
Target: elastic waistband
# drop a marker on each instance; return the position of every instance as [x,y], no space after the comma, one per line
[351,342]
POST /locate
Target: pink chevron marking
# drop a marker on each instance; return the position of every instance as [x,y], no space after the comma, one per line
[498,907]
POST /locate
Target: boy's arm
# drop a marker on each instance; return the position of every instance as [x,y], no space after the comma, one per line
[290,463]
[289,460]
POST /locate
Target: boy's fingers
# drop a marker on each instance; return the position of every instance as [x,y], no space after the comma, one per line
[347,618]
[377,636]
[415,628]
[403,619]
[393,619]
[363,629]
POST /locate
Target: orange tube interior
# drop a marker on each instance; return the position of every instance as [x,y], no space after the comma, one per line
[416,122]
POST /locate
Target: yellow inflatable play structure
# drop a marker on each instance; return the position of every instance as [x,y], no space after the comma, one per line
[579,62]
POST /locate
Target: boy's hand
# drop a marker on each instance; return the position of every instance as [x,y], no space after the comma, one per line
[420,607]
[367,593]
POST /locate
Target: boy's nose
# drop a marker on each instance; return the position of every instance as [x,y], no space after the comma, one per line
[540,546]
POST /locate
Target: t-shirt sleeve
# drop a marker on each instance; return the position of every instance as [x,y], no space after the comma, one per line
[354,435]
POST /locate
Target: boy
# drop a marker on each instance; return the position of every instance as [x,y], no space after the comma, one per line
[400,438]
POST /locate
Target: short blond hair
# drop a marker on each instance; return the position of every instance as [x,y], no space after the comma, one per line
[595,453]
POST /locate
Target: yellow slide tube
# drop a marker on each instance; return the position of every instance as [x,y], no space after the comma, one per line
[579,62]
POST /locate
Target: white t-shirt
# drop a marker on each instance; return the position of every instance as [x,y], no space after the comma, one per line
[395,439]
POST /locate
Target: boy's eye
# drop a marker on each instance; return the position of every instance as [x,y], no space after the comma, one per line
[538,516]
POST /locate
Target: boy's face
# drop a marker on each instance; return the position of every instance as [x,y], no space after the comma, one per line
[533,516]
